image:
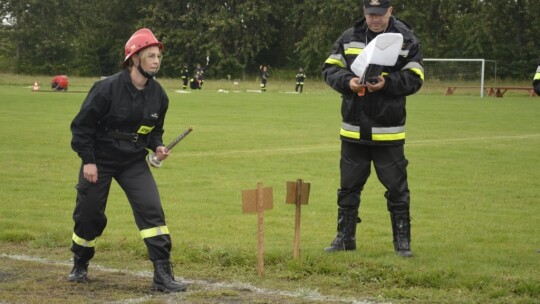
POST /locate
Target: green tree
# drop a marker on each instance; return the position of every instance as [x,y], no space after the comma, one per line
[87,38]
[104,33]
[232,33]
[513,36]
[42,46]
[321,22]
[429,20]
[62,37]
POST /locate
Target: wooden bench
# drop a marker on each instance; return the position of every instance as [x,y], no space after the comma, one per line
[450,90]
[498,91]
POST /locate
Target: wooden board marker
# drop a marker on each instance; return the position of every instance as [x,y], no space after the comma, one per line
[258,200]
[297,194]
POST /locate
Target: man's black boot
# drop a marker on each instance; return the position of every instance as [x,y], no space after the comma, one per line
[79,271]
[346,231]
[164,278]
[401,230]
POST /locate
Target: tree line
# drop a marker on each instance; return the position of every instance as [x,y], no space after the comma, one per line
[87,38]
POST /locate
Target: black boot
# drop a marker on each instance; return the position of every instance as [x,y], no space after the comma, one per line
[164,278]
[79,271]
[401,229]
[346,228]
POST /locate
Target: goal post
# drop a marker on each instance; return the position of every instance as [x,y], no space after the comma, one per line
[456,72]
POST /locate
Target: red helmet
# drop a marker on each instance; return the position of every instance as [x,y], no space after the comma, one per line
[141,39]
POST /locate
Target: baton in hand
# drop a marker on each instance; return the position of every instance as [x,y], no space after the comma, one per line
[153,158]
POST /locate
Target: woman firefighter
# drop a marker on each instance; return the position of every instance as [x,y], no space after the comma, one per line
[123,116]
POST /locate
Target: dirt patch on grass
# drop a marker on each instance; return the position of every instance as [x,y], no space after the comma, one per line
[27,280]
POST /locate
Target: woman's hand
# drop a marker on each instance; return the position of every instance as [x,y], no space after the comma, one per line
[90,172]
[162,152]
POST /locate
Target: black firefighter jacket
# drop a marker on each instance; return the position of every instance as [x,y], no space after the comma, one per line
[536,80]
[378,117]
[115,107]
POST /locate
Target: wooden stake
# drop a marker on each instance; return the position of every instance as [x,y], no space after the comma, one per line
[297,194]
[260,200]
[257,201]
[297,218]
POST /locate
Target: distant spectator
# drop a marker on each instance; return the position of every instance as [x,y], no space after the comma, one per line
[264,77]
[199,75]
[536,80]
[60,83]
[300,77]
[194,83]
[185,75]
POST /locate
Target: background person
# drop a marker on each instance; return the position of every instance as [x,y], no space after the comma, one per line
[122,117]
[60,83]
[300,77]
[373,125]
[184,72]
[199,75]
[536,80]
[194,83]
[264,77]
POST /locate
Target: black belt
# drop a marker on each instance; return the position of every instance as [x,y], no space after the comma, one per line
[124,136]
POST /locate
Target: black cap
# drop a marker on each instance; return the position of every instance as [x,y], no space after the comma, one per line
[376,7]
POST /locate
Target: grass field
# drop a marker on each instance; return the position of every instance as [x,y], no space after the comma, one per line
[474,175]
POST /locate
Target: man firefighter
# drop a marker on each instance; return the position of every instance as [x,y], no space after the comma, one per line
[536,80]
[121,117]
[373,125]
[300,77]
[264,77]
[184,72]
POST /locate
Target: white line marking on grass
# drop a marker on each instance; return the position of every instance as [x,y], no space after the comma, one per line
[336,146]
[139,300]
[265,151]
[503,137]
[301,293]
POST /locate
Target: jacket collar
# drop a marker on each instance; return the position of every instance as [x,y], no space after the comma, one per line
[126,79]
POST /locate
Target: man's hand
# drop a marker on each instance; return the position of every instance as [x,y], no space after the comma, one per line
[162,152]
[377,86]
[90,173]
[355,85]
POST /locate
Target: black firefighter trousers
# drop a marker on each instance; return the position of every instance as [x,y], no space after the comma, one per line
[141,190]
[391,168]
